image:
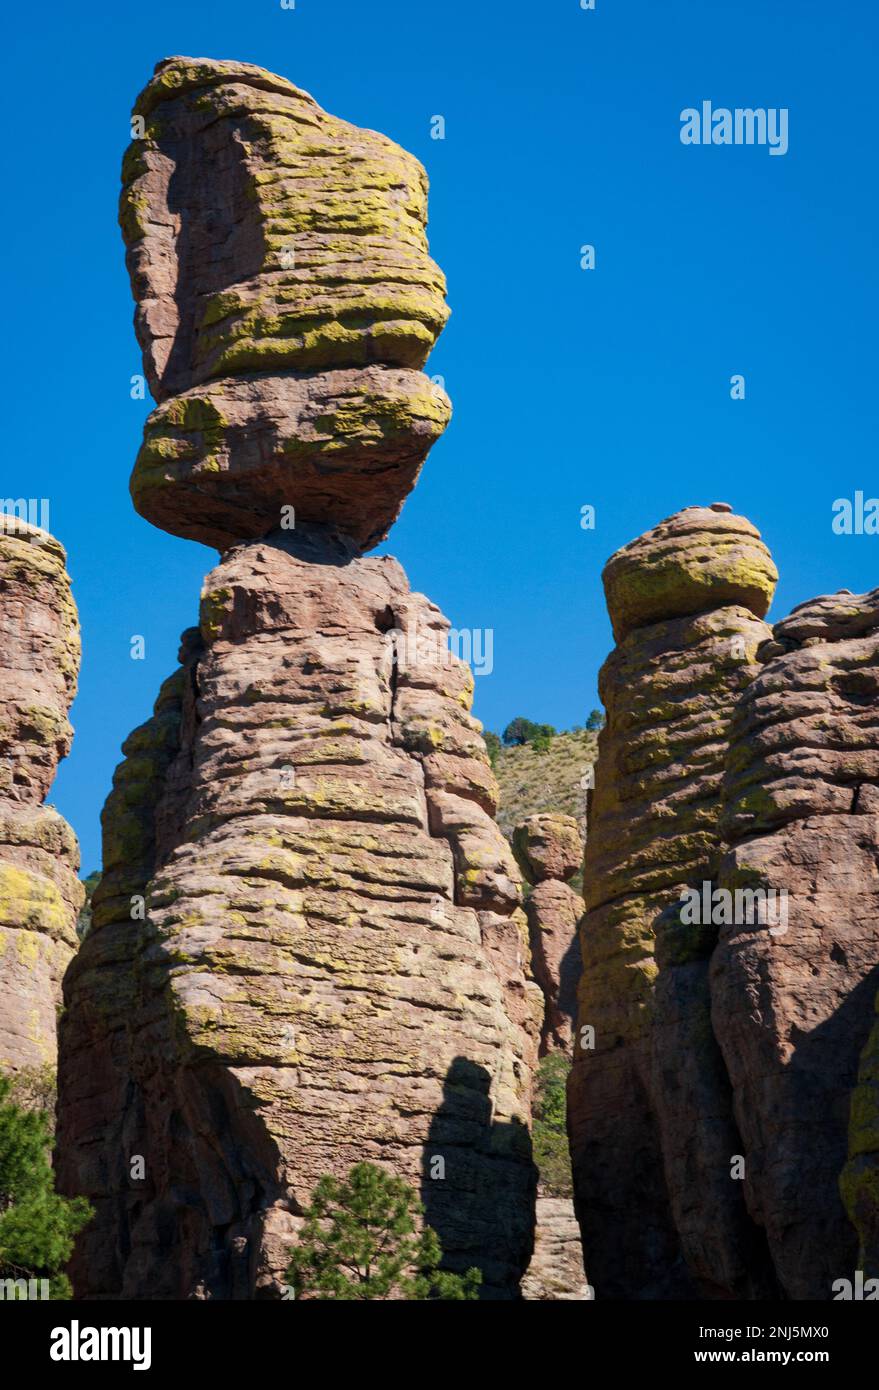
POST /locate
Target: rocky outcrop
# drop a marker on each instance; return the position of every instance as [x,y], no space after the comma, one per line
[308,947]
[40,894]
[549,850]
[731,940]
[792,996]
[649,1113]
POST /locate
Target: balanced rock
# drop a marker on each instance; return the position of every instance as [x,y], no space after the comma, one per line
[649,1110]
[286,302]
[308,946]
[793,992]
[549,849]
[40,893]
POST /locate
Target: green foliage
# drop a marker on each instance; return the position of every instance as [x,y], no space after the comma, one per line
[521,731]
[551,1152]
[35,1088]
[359,1241]
[37,1226]
[595,721]
[493,744]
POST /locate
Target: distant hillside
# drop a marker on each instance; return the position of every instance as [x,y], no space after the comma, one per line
[532,781]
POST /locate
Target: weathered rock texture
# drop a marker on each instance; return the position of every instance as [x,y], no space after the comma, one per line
[792,1000]
[285,304]
[40,894]
[649,1109]
[555,1273]
[331,963]
[549,849]
[741,760]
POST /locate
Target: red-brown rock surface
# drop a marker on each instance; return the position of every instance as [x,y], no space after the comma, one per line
[712,1121]
[792,1000]
[285,304]
[549,849]
[332,964]
[649,1109]
[40,894]
[308,947]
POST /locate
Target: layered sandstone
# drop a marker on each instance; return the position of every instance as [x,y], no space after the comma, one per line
[286,302]
[40,893]
[331,965]
[308,947]
[721,1128]
[650,1116]
[549,849]
[792,997]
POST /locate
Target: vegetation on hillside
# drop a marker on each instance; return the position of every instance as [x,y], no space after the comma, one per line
[549,777]
[549,1133]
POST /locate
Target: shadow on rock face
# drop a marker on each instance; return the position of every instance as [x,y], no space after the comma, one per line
[311,542]
[477,1192]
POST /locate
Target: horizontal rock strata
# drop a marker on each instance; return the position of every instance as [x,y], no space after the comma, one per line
[40,893]
[549,849]
[333,962]
[792,996]
[649,1111]
[308,946]
[285,304]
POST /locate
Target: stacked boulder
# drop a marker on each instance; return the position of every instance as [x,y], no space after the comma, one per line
[286,303]
[40,893]
[308,946]
[649,1112]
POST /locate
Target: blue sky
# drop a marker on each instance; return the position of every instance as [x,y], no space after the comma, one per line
[607,387]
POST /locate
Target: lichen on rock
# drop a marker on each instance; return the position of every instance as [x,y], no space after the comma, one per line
[308,945]
[40,894]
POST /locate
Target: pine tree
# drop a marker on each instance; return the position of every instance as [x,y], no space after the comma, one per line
[359,1241]
[37,1226]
